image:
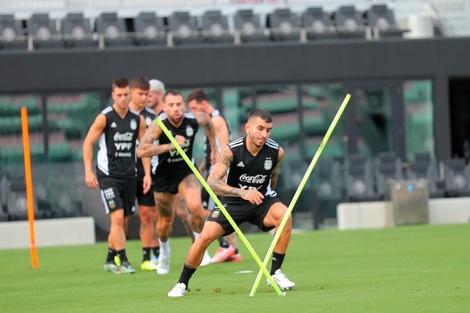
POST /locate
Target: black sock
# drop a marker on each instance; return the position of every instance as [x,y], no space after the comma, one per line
[145,254]
[122,255]
[111,254]
[223,242]
[236,251]
[186,274]
[276,262]
[156,251]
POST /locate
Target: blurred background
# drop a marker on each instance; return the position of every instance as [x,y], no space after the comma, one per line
[404,62]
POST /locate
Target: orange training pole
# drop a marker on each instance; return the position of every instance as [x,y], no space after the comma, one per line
[29,186]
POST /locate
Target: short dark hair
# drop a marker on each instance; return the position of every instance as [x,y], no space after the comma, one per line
[261,113]
[120,82]
[199,95]
[140,82]
[172,92]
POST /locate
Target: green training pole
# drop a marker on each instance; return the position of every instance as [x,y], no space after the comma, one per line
[219,204]
[300,188]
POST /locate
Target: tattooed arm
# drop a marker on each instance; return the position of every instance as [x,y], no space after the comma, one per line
[216,180]
[206,121]
[275,171]
[147,148]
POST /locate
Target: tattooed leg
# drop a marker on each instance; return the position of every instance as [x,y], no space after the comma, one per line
[190,190]
[165,202]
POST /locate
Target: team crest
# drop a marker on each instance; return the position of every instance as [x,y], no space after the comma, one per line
[133,124]
[215,213]
[189,131]
[148,120]
[268,164]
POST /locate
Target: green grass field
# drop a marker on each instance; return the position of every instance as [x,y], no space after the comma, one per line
[402,269]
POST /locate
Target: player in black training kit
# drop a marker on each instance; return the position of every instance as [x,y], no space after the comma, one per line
[250,165]
[117,128]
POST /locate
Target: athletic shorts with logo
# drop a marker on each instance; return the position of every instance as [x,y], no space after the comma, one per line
[118,194]
[243,212]
[146,199]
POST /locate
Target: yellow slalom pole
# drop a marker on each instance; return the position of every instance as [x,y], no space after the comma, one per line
[220,206]
[29,187]
[300,188]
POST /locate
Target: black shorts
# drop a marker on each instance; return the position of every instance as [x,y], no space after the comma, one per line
[242,212]
[169,184]
[118,194]
[146,199]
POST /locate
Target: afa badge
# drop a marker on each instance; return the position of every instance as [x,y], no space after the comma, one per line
[133,124]
[268,164]
[215,213]
[189,131]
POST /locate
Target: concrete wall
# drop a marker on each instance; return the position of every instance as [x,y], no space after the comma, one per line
[368,215]
[52,232]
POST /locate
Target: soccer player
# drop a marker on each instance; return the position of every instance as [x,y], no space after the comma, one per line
[250,165]
[173,175]
[199,101]
[155,97]
[117,129]
[140,87]
[155,102]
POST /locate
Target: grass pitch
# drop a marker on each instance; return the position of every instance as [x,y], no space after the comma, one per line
[402,269]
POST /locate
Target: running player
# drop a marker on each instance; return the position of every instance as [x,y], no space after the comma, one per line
[245,177]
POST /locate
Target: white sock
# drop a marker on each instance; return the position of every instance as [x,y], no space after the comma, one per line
[196,235]
[164,247]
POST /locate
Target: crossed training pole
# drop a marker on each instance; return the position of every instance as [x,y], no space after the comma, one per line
[221,207]
[299,189]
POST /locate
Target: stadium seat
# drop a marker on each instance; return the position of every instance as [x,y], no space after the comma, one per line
[247,25]
[284,25]
[318,24]
[327,186]
[112,30]
[12,34]
[184,29]
[457,178]
[349,22]
[382,21]
[388,167]
[215,27]
[423,170]
[43,31]
[149,29]
[359,181]
[76,31]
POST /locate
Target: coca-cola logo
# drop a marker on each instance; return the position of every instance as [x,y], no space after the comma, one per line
[257,179]
[123,137]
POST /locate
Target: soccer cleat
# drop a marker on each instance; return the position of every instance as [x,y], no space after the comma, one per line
[111,267]
[163,266]
[223,254]
[282,281]
[206,260]
[235,258]
[126,268]
[154,259]
[178,291]
[148,266]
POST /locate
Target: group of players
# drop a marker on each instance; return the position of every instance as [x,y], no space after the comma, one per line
[136,160]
